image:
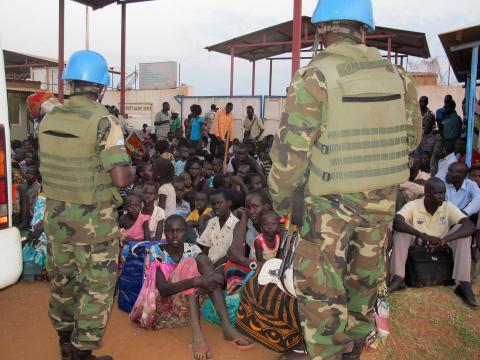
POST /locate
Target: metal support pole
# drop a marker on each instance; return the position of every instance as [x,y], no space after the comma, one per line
[270,79]
[297,35]
[396,58]
[471,103]
[253,78]
[389,48]
[232,64]
[87,29]
[61,44]
[122,61]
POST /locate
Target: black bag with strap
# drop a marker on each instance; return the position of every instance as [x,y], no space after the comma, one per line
[425,269]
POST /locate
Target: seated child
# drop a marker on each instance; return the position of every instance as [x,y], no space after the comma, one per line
[144,172]
[180,164]
[218,235]
[201,208]
[217,165]
[182,273]
[208,172]
[254,182]
[183,207]
[156,213]
[133,221]
[267,243]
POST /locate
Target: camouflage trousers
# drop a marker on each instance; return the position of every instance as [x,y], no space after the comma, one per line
[338,264]
[83,280]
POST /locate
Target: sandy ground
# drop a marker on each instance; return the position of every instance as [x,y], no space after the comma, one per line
[26,333]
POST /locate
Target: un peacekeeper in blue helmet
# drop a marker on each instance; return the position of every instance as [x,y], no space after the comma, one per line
[83,161]
[351,118]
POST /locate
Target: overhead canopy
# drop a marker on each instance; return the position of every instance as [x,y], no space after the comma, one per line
[277,40]
[461,60]
[98,4]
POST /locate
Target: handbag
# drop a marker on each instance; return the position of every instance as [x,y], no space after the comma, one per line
[424,268]
[144,309]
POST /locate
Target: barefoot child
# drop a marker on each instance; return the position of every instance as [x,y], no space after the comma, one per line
[267,243]
[184,271]
[134,222]
[156,213]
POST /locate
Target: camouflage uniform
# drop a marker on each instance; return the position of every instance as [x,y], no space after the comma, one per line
[84,248]
[339,260]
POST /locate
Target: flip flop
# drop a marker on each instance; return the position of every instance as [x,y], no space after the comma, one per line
[204,350]
[235,341]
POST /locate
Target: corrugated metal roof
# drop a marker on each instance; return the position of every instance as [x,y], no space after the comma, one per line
[98,4]
[460,60]
[404,42]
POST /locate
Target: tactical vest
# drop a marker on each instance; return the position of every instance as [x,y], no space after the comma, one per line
[70,166]
[363,145]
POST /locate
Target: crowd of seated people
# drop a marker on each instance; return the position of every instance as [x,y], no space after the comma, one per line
[207,207]
[439,205]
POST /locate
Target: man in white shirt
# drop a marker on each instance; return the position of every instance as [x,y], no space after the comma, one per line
[447,153]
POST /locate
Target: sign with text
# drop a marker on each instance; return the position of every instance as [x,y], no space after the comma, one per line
[139,114]
[158,75]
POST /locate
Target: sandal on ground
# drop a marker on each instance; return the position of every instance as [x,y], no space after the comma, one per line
[205,351]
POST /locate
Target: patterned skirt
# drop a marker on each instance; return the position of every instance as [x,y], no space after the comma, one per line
[269,316]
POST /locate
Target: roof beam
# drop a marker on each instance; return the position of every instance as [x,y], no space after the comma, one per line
[465,46]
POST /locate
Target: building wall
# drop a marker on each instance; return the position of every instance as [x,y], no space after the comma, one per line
[155,98]
[20,130]
[436,93]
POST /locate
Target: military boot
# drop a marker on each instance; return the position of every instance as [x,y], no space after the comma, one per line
[87,355]
[355,354]
[65,344]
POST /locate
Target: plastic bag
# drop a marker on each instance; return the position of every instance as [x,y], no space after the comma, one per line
[131,277]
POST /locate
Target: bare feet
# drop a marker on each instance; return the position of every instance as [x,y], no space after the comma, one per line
[233,335]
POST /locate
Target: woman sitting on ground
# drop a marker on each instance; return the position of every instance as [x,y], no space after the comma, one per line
[183,274]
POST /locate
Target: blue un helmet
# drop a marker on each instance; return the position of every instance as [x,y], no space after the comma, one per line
[337,10]
[86,65]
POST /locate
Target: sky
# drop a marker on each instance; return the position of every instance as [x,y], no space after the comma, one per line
[176,30]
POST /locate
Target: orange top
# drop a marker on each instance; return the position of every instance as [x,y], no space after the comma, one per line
[222,124]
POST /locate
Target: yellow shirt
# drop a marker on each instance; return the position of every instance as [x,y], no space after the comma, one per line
[438,224]
[194,215]
[222,124]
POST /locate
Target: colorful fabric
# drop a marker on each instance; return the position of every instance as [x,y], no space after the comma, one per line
[183,209]
[175,124]
[210,313]
[173,311]
[267,252]
[158,253]
[234,276]
[196,128]
[180,167]
[194,215]
[223,123]
[136,232]
[269,316]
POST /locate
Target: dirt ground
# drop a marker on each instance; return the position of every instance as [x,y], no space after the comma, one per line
[429,323]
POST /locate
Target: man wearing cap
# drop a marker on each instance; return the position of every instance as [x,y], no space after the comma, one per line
[83,161]
[348,172]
